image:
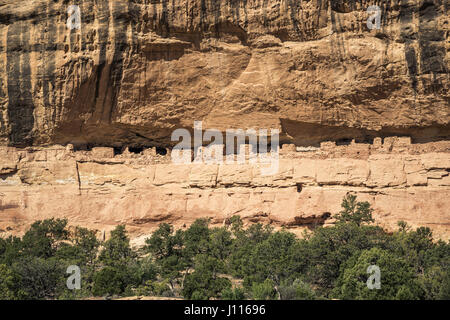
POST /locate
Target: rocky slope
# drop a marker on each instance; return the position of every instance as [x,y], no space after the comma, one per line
[137,70]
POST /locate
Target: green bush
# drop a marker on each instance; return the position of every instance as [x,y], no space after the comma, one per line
[109,281]
[398,280]
[201,262]
[298,290]
[237,293]
[264,290]
[39,278]
[7,281]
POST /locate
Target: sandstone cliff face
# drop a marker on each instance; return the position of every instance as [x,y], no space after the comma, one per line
[137,69]
[99,190]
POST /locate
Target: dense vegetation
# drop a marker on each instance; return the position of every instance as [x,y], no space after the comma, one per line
[231,262]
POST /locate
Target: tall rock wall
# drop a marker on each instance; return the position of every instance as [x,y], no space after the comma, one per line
[100,189]
[137,70]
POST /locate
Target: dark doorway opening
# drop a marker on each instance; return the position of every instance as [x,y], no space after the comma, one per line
[136,150]
[161,151]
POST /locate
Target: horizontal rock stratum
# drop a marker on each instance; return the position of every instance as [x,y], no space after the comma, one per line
[100,190]
[135,71]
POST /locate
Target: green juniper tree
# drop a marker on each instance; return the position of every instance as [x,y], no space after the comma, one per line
[353,211]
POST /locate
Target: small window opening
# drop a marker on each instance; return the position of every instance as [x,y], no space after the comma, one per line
[136,150]
[161,151]
[117,150]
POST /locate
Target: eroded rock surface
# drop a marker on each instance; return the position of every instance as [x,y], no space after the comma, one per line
[137,69]
[142,190]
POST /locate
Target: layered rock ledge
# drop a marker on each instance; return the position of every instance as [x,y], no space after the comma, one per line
[99,189]
[136,70]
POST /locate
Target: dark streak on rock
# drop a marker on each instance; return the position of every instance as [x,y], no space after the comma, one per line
[134,13]
[120,39]
[48,51]
[2,92]
[215,4]
[431,45]
[165,17]
[203,16]
[410,53]
[102,39]
[20,107]
[293,5]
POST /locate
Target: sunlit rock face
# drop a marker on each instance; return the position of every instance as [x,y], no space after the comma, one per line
[101,188]
[90,96]
[136,70]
